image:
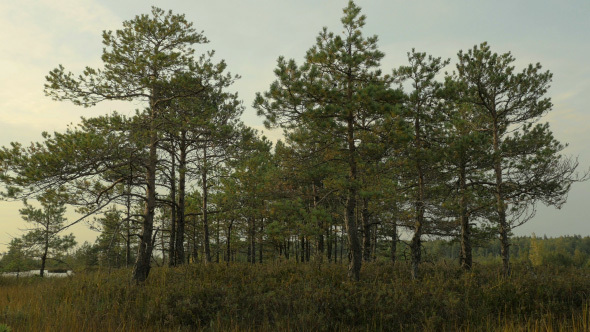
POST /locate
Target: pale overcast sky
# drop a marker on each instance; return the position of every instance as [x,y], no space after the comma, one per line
[37,35]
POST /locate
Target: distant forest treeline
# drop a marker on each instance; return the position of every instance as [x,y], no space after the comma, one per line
[563,251]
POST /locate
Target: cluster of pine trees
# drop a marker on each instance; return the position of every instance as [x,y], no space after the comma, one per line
[367,156]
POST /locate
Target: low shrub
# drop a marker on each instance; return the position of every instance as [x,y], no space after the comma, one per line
[303,297]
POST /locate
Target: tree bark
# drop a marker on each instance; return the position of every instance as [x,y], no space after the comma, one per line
[144,252]
[500,204]
[173,213]
[329,242]
[205,214]
[367,245]
[45,249]
[466,256]
[128,222]
[181,218]
[354,268]
[394,239]
[260,248]
[252,250]
[416,244]
[228,242]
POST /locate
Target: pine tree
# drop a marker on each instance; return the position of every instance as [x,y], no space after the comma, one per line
[42,240]
[339,83]
[526,162]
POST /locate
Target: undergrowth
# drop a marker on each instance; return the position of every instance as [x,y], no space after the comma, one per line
[302,297]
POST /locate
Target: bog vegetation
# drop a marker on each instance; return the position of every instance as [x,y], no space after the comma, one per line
[374,162]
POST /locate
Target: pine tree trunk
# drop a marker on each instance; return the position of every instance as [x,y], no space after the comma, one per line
[416,244]
[181,218]
[302,248]
[45,251]
[172,243]
[260,248]
[329,242]
[217,247]
[205,214]
[128,223]
[356,255]
[145,248]
[252,256]
[501,205]
[228,244]
[366,231]
[466,256]
[394,239]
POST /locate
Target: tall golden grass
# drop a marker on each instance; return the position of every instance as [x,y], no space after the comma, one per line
[302,297]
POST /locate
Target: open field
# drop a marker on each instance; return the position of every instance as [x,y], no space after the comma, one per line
[302,297]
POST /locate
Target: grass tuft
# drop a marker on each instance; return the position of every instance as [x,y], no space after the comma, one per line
[300,297]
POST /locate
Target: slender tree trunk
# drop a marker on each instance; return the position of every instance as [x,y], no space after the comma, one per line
[336,237]
[205,214]
[252,256]
[504,228]
[307,250]
[217,247]
[260,240]
[466,256]
[163,249]
[287,249]
[341,245]
[394,239]
[145,248]
[228,244]
[374,243]
[329,242]
[366,230]
[416,244]
[321,225]
[195,241]
[172,243]
[354,268]
[45,250]
[181,218]
[128,222]
[302,244]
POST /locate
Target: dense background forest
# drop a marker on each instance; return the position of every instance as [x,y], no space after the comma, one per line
[569,251]
[418,173]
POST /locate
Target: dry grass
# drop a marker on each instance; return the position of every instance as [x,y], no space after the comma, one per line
[289,297]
